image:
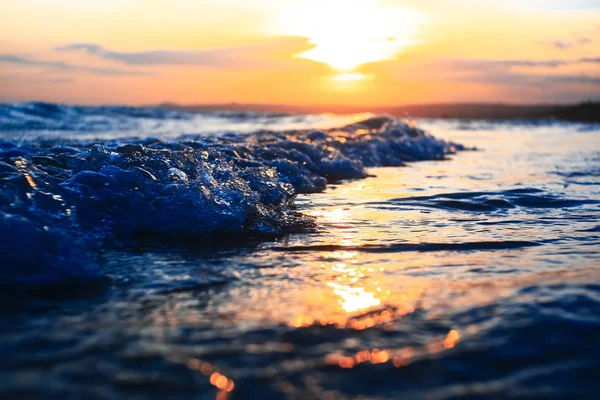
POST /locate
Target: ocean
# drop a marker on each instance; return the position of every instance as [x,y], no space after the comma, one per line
[151,253]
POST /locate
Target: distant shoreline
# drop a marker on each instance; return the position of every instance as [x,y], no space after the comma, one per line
[582,112]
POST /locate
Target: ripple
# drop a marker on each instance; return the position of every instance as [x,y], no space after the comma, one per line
[418,247]
[478,289]
[492,201]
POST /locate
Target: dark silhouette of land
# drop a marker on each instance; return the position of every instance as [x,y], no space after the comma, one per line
[583,112]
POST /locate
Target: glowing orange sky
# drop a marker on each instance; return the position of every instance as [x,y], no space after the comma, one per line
[352,52]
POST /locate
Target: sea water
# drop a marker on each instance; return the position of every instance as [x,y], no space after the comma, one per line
[378,260]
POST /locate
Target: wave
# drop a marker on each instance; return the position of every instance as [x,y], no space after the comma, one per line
[61,117]
[417,247]
[492,201]
[62,201]
[48,120]
[509,125]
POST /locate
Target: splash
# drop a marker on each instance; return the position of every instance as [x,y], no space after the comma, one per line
[62,201]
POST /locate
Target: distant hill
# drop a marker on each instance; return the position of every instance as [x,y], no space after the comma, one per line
[583,112]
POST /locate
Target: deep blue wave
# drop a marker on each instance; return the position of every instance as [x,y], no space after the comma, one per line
[70,199]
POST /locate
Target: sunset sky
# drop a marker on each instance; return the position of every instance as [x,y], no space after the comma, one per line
[330,52]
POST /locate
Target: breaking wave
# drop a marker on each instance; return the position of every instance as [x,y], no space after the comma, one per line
[63,200]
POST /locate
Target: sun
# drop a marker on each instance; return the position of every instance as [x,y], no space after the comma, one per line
[348,33]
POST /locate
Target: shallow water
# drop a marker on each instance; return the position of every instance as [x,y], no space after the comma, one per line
[472,277]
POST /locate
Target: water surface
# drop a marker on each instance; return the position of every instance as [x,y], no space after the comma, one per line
[472,277]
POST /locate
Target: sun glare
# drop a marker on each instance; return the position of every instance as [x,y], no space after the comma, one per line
[347,34]
[349,77]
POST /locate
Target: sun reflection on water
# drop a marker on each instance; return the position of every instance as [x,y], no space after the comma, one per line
[335,216]
[354,299]
[398,357]
[217,379]
[356,296]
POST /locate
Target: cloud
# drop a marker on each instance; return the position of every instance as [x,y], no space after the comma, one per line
[590,60]
[275,53]
[564,45]
[478,63]
[530,63]
[61,65]
[35,79]
[502,72]
[593,80]
[507,74]
[474,68]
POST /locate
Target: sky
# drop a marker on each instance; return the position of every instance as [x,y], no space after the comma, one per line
[299,52]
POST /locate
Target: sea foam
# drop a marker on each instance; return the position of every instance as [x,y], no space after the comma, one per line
[62,201]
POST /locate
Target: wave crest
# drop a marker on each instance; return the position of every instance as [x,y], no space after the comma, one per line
[194,187]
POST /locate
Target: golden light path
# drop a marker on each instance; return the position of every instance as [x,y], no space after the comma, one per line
[347,34]
[350,289]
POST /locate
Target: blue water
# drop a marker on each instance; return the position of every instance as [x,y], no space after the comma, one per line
[161,254]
